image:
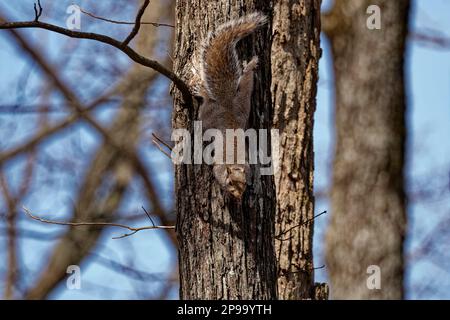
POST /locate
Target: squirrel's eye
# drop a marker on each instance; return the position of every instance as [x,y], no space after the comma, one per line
[199,99]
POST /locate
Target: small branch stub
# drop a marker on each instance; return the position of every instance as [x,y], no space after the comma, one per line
[37,11]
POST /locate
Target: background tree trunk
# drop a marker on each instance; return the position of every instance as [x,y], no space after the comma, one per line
[295,57]
[368,219]
[226,250]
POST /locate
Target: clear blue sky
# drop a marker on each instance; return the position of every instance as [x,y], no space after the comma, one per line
[428,75]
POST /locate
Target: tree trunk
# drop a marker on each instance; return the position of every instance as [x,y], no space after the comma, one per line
[295,56]
[226,248]
[368,218]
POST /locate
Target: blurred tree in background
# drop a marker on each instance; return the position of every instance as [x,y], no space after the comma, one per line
[368,221]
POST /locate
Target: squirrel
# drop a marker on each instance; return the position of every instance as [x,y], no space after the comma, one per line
[224,89]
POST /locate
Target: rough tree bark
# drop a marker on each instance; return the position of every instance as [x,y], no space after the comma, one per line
[368,218]
[295,57]
[226,249]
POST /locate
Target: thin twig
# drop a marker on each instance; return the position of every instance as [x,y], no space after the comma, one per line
[170,56]
[37,11]
[148,215]
[321,267]
[439,41]
[162,141]
[137,24]
[157,140]
[161,149]
[155,24]
[286,272]
[98,224]
[296,226]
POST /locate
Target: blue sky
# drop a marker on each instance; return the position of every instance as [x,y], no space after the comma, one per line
[428,76]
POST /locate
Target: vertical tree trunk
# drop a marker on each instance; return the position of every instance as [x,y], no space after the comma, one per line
[226,249]
[295,56]
[368,204]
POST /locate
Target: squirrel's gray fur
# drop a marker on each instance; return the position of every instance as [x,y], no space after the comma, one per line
[226,88]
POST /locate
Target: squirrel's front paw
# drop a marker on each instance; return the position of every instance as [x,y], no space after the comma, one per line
[251,65]
[232,178]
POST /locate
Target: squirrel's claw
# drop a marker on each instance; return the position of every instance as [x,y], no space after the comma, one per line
[251,65]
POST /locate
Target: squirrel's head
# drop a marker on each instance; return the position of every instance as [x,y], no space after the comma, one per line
[232,178]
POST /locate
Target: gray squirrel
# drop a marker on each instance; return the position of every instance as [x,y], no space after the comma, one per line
[224,88]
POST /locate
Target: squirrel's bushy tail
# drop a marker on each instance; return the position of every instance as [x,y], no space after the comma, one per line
[221,68]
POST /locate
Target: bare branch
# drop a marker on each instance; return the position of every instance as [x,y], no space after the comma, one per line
[148,215]
[76,104]
[155,24]
[298,225]
[133,55]
[161,149]
[99,224]
[162,141]
[157,140]
[37,11]
[158,209]
[137,24]
[438,41]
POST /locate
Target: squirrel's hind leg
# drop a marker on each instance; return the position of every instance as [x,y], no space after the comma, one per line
[245,89]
